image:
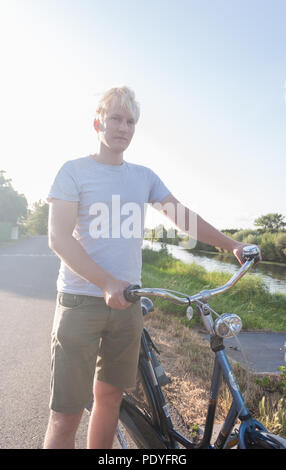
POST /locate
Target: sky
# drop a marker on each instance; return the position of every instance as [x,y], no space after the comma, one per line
[210,77]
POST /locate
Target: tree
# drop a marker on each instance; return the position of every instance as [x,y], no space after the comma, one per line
[37,220]
[271,222]
[13,206]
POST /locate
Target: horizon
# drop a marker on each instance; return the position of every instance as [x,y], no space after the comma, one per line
[159,219]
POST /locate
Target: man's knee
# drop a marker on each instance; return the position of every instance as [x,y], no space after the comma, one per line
[61,430]
[64,422]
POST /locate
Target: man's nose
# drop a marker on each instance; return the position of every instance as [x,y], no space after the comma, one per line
[123,126]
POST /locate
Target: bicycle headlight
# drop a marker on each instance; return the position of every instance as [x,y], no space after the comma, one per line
[227,325]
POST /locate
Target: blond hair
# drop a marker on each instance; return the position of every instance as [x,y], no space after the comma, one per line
[121,95]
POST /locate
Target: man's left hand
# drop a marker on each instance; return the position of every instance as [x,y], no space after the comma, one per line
[238,252]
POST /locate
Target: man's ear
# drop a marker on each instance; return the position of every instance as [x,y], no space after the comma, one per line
[96,125]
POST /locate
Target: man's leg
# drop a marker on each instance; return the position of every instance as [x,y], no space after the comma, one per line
[61,430]
[104,416]
[75,342]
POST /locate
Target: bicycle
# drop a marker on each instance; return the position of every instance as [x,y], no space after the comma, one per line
[144,413]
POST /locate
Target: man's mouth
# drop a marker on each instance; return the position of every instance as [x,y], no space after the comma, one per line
[121,138]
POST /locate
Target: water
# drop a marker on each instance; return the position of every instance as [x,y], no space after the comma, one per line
[273,275]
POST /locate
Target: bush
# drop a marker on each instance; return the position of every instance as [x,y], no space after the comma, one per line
[37,220]
[268,251]
[253,239]
[281,245]
[241,235]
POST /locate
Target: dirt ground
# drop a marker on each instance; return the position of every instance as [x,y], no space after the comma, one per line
[187,394]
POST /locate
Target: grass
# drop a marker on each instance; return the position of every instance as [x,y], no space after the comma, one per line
[259,310]
[249,298]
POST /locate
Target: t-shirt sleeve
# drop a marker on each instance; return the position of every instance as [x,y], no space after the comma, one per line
[65,185]
[158,190]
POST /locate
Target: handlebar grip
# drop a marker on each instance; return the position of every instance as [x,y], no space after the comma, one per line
[251,252]
[129,295]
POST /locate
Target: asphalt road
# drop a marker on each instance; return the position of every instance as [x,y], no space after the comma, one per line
[28,272]
[262,353]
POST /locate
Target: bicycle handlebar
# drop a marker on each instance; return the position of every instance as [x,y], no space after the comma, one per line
[251,254]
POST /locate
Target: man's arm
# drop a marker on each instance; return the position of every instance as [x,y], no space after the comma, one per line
[197,228]
[62,221]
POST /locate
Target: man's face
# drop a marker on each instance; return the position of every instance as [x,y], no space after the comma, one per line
[117,129]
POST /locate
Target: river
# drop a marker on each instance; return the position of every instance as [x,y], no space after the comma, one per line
[274,275]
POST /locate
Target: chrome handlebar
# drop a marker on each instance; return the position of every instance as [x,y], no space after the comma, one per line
[251,254]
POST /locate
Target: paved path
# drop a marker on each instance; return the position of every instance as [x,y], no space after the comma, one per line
[28,272]
[261,352]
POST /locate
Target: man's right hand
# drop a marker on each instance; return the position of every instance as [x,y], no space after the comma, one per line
[113,294]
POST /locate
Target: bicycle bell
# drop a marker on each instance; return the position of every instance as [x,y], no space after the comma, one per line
[250,251]
[227,325]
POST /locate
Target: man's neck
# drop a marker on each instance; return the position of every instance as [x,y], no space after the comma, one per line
[104,155]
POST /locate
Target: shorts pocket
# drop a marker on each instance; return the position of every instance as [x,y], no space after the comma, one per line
[70,300]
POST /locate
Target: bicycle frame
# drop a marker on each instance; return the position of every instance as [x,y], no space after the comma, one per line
[161,434]
[157,431]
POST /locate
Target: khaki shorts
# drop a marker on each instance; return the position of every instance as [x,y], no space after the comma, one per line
[91,340]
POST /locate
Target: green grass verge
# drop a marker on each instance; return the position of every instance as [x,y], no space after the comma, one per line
[249,298]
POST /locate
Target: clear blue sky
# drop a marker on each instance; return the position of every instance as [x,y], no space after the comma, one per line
[210,76]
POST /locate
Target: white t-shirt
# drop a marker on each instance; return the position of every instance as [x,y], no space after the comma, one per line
[110,225]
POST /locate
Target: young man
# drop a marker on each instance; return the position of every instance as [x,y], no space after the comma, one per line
[99,243]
